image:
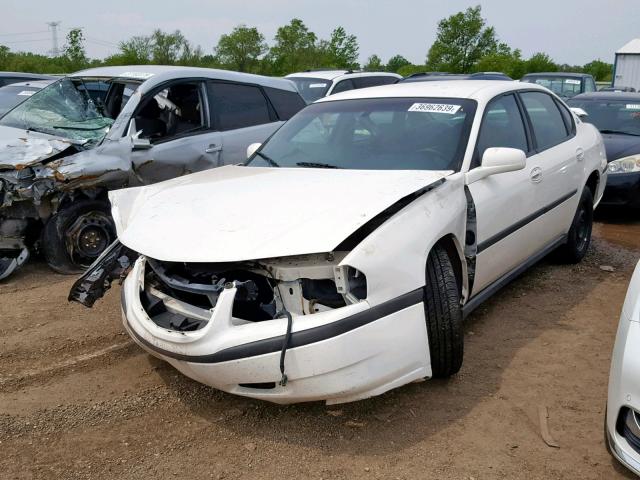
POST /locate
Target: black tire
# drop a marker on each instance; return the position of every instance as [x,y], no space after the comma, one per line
[75,236]
[443,314]
[579,237]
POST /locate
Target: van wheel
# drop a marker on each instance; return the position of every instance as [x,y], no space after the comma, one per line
[75,236]
[579,237]
[443,314]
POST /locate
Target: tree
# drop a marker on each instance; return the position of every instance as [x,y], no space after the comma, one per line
[74,51]
[396,62]
[167,48]
[374,64]
[462,40]
[294,49]
[503,60]
[342,50]
[135,51]
[540,62]
[601,71]
[241,49]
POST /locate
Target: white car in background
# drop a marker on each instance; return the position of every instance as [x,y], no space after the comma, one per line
[622,423]
[340,260]
[315,84]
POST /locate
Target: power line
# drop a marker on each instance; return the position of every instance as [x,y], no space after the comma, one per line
[25,41]
[22,33]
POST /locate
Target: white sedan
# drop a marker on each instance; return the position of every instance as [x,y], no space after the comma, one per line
[340,260]
[622,423]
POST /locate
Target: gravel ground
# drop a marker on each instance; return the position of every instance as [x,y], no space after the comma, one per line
[79,400]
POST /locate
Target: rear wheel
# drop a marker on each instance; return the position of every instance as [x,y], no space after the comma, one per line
[579,237]
[75,236]
[443,314]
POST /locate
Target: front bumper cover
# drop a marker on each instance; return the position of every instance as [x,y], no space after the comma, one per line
[340,355]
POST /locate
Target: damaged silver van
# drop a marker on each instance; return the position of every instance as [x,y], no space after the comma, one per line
[67,145]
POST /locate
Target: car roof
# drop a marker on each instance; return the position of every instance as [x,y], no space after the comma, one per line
[334,74]
[26,75]
[557,74]
[32,83]
[480,90]
[630,96]
[155,74]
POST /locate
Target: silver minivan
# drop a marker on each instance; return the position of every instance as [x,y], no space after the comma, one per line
[100,129]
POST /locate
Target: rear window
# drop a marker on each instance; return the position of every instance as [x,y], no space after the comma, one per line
[562,86]
[311,89]
[286,103]
[364,82]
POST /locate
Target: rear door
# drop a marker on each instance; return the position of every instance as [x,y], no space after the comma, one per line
[242,115]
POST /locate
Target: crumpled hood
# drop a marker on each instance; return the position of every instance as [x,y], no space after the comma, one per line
[236,213]
[21,148]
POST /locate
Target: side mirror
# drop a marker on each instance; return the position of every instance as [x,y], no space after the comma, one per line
[579,112]
[137,143]
[497,160]
[251,149]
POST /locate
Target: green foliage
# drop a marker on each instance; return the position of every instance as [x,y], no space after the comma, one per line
[341,51]
[601,71]
[396,62]
[374,64]
[462,40]
[241,49]
[410,69]
[502,60]
[540,62]
[74,52]
[294,49]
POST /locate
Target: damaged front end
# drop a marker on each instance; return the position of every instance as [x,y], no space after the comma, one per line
[181,296]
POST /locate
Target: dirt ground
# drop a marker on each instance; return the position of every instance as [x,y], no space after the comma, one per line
[79,400]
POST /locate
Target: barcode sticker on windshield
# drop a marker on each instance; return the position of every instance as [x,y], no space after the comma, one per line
[317,85]
[633,106]
[434,108]
[26,93]
[571,81]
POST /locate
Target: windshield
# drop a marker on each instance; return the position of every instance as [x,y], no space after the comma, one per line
[373,134]
[11,95]
[64,108]
[612,116]
[562,86]
[311,89]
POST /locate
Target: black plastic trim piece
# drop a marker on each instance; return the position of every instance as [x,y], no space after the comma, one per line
[298,339]
[521,223]
[489,290]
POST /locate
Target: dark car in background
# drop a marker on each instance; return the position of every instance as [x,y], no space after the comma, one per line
[617,116]
[7,78]
[617,89]
[564,84]
[437,76]
[16,93]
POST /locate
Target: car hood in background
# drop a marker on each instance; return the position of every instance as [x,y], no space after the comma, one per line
[21,148]
[620,146]
[237,213]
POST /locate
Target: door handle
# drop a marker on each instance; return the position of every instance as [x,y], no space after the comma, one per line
[213,148]
[579,154]
[536,174]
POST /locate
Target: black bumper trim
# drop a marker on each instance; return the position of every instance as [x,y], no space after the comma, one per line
[298,339]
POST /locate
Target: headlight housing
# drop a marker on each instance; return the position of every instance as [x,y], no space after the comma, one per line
[625,165]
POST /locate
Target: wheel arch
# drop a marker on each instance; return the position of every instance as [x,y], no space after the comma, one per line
[593,183]
[455,252]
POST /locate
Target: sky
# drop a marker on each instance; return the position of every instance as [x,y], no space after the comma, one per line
[570,31]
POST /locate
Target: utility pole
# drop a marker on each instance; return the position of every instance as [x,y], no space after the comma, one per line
[55,52]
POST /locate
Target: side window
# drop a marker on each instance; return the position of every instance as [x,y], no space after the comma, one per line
[548,126]
[589,85]
[286,103]
[502,126]
[343,86]
[364,82]
[234,105]
[174,111]
[567,117]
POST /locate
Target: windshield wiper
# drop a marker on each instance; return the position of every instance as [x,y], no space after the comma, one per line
[619,132]
[62,127]
[316,165]
[266,157]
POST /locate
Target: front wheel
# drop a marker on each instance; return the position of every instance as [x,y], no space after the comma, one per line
[75,236]
[579,237]
[443,314]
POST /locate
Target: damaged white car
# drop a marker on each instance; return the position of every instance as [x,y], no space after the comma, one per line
[64,147]
[339,262]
